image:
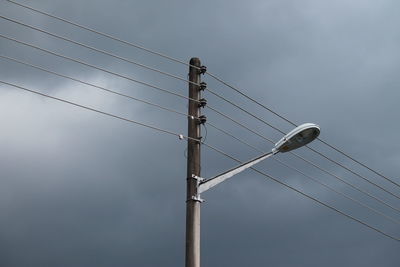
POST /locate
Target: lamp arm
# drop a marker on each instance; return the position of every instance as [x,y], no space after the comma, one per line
[209,183]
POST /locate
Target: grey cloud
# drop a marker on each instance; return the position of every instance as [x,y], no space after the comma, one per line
[79,189]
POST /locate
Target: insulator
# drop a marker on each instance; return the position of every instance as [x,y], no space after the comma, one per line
[203,86]
[202,119]
[202,102]
[203,69]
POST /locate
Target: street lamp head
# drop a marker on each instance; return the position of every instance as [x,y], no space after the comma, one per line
[298,137]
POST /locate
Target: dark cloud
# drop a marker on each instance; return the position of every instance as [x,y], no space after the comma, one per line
[81,189]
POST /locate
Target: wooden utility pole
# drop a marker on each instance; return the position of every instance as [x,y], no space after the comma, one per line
[193,168]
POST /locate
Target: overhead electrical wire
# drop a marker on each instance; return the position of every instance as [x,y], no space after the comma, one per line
[173,111]
[313,150]
[99,111]
[96,49]
[307,161]
[305,175]
[345,182]
[156,87]
[97,86]
[103,34]
[107,71]
[98,68]
[294,124]
[207,145]
[308,196]
[353,172]
[113,73]
[208,73]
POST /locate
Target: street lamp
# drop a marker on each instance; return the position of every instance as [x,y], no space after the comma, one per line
[298,137]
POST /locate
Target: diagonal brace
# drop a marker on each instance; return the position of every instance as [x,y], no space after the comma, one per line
[209,183]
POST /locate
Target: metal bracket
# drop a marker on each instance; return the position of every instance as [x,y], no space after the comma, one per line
[198,181]
[198,178]
[198,199]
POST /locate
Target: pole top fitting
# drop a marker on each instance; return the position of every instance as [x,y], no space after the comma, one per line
[203,70]
[195,61]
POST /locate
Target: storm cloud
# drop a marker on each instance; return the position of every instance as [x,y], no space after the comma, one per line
[81,189]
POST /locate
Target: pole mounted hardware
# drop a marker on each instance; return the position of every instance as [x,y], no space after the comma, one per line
[197,197]
[202,119]
[298,137]
[203,70]
[203,86]
[206,184]
[202,102]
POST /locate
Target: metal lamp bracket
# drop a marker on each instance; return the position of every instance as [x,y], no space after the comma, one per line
[198,181]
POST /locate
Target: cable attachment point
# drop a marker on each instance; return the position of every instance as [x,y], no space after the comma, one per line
[203,70]
[203,86]
[202,119]
[202,102]
[199,140]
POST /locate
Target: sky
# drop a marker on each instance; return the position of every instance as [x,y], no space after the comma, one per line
[78,188]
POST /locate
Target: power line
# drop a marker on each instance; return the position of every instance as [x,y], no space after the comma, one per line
[294,124]
[315,151]
[97,86]
[306,175]
[244,110]
[96,49]
[233,136]
[130,79]
[103,34]
[305,160]
[308,196]
[210,74]
[98,68]
[209,146]
[360,163]
[164,90]
[127,96]
[99,111]
[345,182]
[353,172]
[115,56]
[216,94]
[239,123]
[338,192]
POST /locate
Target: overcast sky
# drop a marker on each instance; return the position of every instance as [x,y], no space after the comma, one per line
[81,189]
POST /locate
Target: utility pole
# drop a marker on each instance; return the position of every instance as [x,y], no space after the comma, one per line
[193,165]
